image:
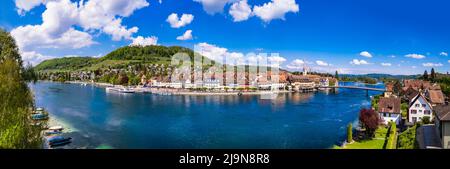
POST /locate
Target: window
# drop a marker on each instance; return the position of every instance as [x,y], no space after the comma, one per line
[413,111]
[428,112]
[420,111]
[424,105]
[414,119]
[417,105]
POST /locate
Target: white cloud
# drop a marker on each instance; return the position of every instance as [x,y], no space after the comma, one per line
[322,63]
[429,64]
[240,11]
[296,64]
[359,62]
[176,22]
[448,61]
[24,6]
[62,18]
[30,38]
[213,6]
[222,55]
[33,58]
[365,54]
[186,36]
[386,64]
[415,56]
[212,51]
[276,9]
[443,54]
[141,41]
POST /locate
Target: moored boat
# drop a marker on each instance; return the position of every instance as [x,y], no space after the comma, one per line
[58,128]
[39,116]
[58,140]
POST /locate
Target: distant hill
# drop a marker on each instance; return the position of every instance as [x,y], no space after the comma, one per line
[380,76]
[118,58]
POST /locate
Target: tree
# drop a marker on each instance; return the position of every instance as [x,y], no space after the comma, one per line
[397,87]
[432,75]
[426,120]
[122,79]
[349,133]
[336,75]
[369,120]
[425,75]
[16,100]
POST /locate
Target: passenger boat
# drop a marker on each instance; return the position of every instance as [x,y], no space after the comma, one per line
[120,90]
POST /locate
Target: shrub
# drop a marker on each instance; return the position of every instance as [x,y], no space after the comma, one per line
[407,139]
[426,120]
[349,133]
[390,141]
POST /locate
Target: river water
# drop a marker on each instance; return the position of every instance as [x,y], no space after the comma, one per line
[98,119]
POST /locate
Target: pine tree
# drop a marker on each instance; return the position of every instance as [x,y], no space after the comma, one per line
[336,75]
[349,133]
[433,75]
[425,75]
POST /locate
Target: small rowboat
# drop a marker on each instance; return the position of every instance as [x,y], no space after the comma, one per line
[58,128]
[52,132]
[58,140]
[39,116]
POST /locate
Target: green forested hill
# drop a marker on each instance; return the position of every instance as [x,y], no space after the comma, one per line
[119,58]
[67,63]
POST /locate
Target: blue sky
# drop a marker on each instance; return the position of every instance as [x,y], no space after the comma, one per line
[382,36]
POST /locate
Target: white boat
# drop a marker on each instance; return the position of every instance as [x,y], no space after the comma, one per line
[59,128]
[120,90]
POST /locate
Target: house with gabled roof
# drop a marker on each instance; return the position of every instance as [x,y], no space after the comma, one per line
[442,124]
[419,108]
[389,109]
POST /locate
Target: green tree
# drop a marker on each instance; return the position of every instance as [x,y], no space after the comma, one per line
[336,75]
[349,133]
[432,75]
[16,100]
[425,75]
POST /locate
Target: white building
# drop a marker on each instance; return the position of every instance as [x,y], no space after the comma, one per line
[211,83]
[419,107]
[324,82]
[389,109]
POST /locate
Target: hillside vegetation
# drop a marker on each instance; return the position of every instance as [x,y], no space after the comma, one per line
[120,58]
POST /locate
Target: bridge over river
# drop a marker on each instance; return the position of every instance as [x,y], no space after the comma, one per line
[367,89]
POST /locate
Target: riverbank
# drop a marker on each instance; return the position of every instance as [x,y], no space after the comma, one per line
[172,91]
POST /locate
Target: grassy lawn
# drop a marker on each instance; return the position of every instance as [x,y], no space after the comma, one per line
[376,143]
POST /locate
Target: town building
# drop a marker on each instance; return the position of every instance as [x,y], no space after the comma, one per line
[436,97]
[389,109]
[419,108]
[442,124]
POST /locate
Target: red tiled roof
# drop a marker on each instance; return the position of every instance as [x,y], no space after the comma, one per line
[389,105]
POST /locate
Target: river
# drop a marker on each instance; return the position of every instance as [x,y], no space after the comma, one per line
[111,120]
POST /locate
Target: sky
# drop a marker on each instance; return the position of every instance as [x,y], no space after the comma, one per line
[352,37]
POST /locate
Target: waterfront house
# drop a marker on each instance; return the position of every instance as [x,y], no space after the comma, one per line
[389,109]
[211,83]
[324,82]
[419,108]
[300,82]
[442,124]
